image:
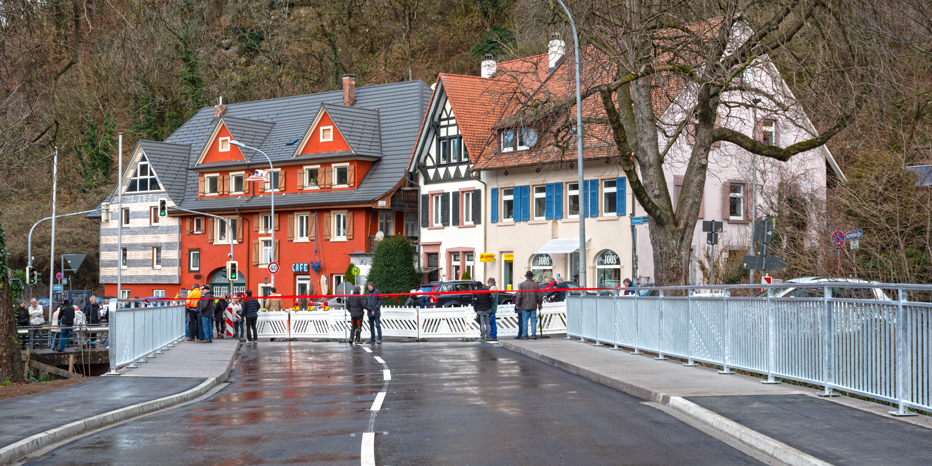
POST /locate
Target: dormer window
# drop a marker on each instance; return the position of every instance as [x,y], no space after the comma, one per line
[326,133]
[224,144]
[144,178]
[518,139]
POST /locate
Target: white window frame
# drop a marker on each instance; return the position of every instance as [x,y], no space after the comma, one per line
[456,268]
[339,221]
[519,139]
[540,195]
[336,167]
[437,219]
[191,255]
[336,279]
[307,176]
[124,258]
[158,293]
[197,226]
[569,194]
[732,195]
[506,198]
[156,257]
[299,224]
[271,175]
[150,177]
[242,185]
[466,202]
[223,144]
[124,217]
[125,294]
[216,178]
[154,215]
[266,250]
[329,131]
[606,191]
[770,123]
[221,229]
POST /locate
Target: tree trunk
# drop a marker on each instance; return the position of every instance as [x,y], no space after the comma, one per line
[671,246]
[11,358]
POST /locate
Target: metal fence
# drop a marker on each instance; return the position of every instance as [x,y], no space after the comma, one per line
[142,332]
[880,348]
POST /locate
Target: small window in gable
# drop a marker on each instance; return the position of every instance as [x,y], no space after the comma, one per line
[518,139]
[224,144]
[326,133]
[144,178]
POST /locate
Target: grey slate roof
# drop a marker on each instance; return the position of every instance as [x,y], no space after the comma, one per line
[169,162]
[396,109]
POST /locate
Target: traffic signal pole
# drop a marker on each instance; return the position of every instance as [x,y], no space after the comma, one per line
[229,229]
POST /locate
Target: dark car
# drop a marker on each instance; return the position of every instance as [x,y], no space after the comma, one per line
[456,299]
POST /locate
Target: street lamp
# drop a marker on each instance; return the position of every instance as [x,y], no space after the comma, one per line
[272,186]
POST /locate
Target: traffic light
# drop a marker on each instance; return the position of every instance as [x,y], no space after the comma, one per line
[163,207]
[232,271]
[31,275]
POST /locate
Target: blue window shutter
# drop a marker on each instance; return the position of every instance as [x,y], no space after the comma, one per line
[620,197]
[526,203]
[593,198]
[494,202]
[548,209]
[584,199]
[558,201]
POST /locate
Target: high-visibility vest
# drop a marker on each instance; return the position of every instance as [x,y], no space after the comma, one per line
[193,297]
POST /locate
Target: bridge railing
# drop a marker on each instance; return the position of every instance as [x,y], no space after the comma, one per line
[142,332]
[876,343]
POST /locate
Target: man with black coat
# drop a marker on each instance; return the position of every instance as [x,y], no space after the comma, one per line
[22,314]
[205,315]
[374,311]
[251,314]
[355,304]
[482,303]
[66,318]
[92,314]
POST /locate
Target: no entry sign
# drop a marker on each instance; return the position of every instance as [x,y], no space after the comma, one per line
[838,239]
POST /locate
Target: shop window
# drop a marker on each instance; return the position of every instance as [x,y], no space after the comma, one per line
[608,270]
[542,267]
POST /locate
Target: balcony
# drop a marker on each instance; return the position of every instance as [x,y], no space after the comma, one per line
[405,200]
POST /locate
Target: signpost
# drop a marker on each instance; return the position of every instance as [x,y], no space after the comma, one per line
[640,220]
[763,233]
[712,230]
[838,240]
[853,237]
[273,267]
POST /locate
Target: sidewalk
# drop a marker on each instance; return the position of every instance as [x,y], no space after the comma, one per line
[787,422]
[178,375]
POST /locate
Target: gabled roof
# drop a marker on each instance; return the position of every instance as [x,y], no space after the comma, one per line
[250,132]
[169,161]
[360,127]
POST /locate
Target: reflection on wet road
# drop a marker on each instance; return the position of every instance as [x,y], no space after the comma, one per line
[447,403]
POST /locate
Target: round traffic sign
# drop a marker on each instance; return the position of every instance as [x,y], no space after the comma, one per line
[355,270]
[838,239]
[58,276]
[273,267]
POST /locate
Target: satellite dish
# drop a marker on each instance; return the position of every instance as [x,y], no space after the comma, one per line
[379,236]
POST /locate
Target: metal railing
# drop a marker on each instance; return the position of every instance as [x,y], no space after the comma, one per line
[142,332]
[879,348]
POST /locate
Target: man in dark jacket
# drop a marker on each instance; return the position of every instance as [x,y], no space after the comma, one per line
[92,314]
[529,300]
[374,311]
[22,314]
[251,314]
[219,318]
[482,303]
[66,318]
[205,314]
[355,304]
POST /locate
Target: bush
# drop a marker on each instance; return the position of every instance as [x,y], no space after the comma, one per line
[349,276]
[466,275]
[393,268]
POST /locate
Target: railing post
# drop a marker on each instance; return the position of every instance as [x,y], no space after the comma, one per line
[615,322]
[828,348]
[582,336]
[637,325]
[771,340]
[568,337]
[660,355]
[726,351]
[596,333]
[132,345]
[112,348]
[689,340]
[902,358]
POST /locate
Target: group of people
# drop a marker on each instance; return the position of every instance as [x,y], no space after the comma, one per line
[67,322]
[528,301]
[205,313]
[368,305]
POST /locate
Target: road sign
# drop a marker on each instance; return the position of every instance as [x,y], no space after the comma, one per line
[73,261]
[853,243]
[355,270]
[56,288]
[273,267]
[752,263]
[64,281]
[765,280]
[58,276]
[712,226]
[856,234]
[711,238]
[639,220]
[838,239]
[775,263]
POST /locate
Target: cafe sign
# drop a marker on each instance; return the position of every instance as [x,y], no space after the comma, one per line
[300,267]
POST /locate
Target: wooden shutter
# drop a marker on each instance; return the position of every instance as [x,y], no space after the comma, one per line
[349,225]
[281,181]
[300,179]
[493,203]
[425,210]
[275,252]
[476,206]
[327,227]
[326,177]
[621,198]
[200,186]
[239,229]
[246,185]
[558,201]
[351,175]
[445,209]
[276,220]
[255,252]
[548,201]
[224,181]
[210,230]
[290,227]
[189,225]
[311,226]
[455,211]
[256,220]
[726,190]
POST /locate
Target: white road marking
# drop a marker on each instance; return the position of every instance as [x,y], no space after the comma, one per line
[368,350]
[377,404]
[380,360]
[368,449]
[387,374]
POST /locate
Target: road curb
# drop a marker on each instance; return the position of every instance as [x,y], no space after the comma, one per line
[31,444]
[747,436]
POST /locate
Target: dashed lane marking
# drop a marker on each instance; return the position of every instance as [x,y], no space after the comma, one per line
[387,374]
[368,350]
[377,404]
[380,360]
[368,449]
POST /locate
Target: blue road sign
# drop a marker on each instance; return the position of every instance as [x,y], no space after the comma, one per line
[856,234]
[56,288]
[639,220]
[838,239]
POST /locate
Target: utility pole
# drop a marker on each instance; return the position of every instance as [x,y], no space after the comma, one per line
[52,257]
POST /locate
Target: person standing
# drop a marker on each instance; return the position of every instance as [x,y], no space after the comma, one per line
[205,312]
[374,308]
[219,317]
[493,326]
[355,304]
[65,314]
[273,303]
[530,301]
[22,314]
[251,314]
[36,318]
[190,305]
[482,304]
[92,314]
[237,306]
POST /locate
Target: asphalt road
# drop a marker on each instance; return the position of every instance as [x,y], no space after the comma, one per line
[443,403]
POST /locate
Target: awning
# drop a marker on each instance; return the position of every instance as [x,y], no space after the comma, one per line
[561,246]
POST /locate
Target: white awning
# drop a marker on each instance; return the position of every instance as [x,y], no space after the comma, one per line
[561,246]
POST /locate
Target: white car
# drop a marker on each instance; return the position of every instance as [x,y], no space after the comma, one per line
[870,290]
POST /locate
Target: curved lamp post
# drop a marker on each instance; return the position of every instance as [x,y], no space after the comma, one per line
[272,186]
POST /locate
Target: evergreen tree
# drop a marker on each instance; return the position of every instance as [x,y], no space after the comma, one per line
[393,268]
[466,275]
[349,276]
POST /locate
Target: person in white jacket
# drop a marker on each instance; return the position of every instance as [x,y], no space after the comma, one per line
[36,318]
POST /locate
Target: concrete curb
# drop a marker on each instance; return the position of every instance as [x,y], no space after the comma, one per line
[749,437]
[26,446]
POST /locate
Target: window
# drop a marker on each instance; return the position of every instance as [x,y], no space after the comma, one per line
[194,260]
[452,150]
[540,202]
[124,259]
[411,225]
[126,216]
[340,178]
[467,208]
[385,223]
[542,266]
[438,212]
[236,183]
[518,139]
[769,132]
[455,266]
[158,293]
[266,223]
[572,199]
[339,226]
[736,201]
[337,279]
[508,204]
[748,76]
[468,266]
[224,144]
[196,227]
[608,270]
[302,227]
[609,187]
[326,133]
[223,232]
[311,175]
[153,215]
[156,257]
[211,185]
[267,252]
[273,176]
[124,294]
[144,178]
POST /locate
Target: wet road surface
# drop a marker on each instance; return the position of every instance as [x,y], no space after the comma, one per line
[443,403]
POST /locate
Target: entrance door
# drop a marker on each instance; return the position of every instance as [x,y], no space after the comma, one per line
[302,287]
[433,261]
[508,271]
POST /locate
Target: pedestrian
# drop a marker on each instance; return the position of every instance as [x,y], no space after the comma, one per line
[493,331]
[530,301]
[190,306]
[374,311]
[220,316]
[237,306]
[205,313]
[272,303]
[22,314]
[482,304]
[560,294]
[628,284]
[54,328]
[549,288]
[79,331]
[65,315]
[92,313]
[36,318]
[355,304]
[411,301]
[251,314]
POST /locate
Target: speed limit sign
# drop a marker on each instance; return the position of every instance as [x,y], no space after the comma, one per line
[273,267]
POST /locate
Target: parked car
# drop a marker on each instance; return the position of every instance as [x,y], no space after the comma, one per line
[869,291]
[465,299]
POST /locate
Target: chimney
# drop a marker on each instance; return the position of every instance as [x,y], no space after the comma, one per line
[349,90]
[555,50]
[219,109]
[489,66]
